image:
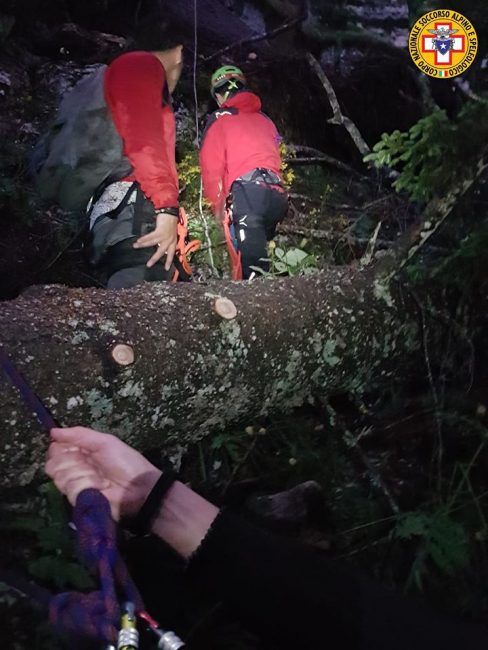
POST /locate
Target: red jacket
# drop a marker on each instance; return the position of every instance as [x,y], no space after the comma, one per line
[134,87]
[238,138]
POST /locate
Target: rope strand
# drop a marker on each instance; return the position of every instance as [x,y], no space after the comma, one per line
[203,218]
[96,615]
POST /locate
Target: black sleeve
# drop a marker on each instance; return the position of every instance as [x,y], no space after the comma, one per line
[290,595]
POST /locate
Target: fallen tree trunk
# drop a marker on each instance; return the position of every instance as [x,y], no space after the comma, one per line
[193,372]
[189,371]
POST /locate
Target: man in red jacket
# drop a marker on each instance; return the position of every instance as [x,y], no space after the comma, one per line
[134,218]
[240,164]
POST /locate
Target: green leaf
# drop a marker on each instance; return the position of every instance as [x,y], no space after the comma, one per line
[54,538]
[280,267]
[447,544]
[60,572]
[411,525]
[294,257]
[219,441]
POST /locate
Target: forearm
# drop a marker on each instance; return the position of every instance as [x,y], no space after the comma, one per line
[184,519]
[285,592]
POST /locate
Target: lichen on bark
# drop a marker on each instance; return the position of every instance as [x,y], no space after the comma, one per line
[193,372]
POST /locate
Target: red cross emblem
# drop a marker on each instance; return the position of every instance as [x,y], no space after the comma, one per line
[442,44]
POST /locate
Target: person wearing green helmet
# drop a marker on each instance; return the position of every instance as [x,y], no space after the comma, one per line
[227,78]
[241,170]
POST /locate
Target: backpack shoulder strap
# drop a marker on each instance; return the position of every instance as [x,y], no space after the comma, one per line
[217,115]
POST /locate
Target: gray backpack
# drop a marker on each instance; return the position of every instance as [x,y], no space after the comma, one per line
[81,150]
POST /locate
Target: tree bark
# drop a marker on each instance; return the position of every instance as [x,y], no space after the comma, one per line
[193,372]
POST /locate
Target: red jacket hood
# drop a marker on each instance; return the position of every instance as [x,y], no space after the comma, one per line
[245,101]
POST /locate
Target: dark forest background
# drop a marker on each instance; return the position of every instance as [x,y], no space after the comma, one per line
[391,478]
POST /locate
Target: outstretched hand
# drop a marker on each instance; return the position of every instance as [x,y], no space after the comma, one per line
[81,458]
[164,236]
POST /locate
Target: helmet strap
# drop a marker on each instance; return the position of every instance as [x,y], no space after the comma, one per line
[232,85]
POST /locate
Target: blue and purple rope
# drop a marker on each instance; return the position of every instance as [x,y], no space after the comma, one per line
[96,615]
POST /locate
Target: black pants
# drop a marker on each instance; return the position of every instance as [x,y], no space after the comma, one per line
[110,246]
[256,208]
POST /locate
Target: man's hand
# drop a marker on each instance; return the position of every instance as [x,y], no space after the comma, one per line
[164,236]
[80,458]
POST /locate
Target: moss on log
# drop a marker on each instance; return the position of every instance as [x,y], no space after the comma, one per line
[193,372]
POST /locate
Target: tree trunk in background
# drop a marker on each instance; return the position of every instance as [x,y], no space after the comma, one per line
[194,372]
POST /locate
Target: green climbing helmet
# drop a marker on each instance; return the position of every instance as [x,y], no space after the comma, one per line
[224,75]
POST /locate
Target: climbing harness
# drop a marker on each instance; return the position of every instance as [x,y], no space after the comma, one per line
[231,241]
[263,176]
[184,248]
[106,208]
[95,615]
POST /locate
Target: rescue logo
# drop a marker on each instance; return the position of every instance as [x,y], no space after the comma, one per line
[443,43]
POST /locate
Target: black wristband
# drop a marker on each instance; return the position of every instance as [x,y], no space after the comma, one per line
[174,212]
[141,523]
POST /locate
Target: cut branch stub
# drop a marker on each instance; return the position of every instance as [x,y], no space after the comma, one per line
[225,308]
[123,354]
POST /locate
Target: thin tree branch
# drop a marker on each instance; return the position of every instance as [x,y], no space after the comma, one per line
[327,160]
[254,39]
[438,210]
[338,118]
[466,89]
[368,255]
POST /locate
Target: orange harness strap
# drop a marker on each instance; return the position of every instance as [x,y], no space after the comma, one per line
[184,247]
[235,256]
